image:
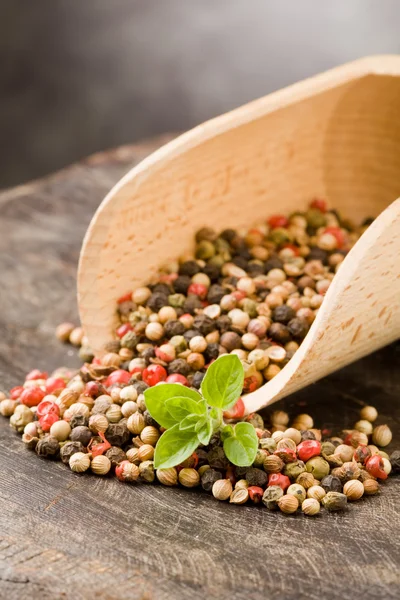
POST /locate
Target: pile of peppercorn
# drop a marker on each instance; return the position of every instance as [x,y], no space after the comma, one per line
[105,428]
[254,294]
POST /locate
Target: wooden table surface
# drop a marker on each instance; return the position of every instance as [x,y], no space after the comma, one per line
[77,537]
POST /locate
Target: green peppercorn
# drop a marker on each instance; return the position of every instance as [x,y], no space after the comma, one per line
[294,469]
[298,491]
[271,497]
[318,467]
[334,501]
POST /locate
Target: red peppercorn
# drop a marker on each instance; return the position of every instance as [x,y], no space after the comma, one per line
[93,389]
[124,329]
[32,396]
[36,374]
[153,374]
[251,384]
[292,247]
[120,468]
[374,466]
[98,449]
[55,383]
[362,454]
[126,298]
[337,233]
[308,449]
[236,412]
[118,376]
[198,289]
[47,421]
[319,204]
[278,479]
[47,406]
[277,221]
[15,392]
[255,493]
[239,295]
[96,361]
[177,378]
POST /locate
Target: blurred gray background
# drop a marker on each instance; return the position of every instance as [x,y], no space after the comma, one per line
[78,76]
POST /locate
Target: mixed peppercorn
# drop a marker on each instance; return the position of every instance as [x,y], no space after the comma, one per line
[105,428]
[254,295]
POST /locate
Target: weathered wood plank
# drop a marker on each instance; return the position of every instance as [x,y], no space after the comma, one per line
[67,536]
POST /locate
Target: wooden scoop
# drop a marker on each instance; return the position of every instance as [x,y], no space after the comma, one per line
[336,135]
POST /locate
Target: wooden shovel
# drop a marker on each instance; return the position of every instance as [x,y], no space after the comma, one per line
[336,135]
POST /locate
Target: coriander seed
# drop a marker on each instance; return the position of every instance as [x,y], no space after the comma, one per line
[149,434]
[239,496]
[310,507]
[222,489]
[100,465]
[136,423]
[369,413]
[79,462]
[382,435]
[168,477]
[288,504]
[317,492]
[371,487]
[353,489]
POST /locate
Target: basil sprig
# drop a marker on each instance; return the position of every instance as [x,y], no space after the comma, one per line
[190,417]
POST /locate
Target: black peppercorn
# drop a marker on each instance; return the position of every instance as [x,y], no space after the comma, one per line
[78,421]
[273,263]
[215,440]
[48,447]
[204,324]
[202,457]
[148,354]
[279,333]
[256,477]
[217,459]
[298,327]
[228,235]
[179,365]
[161,288]
[208,479]
[255,268]
[197,379]
[189,267]
[395,462]
[212,271]
[216,293]
[211,352]
[156,301]
[317,253]
[70,448]
[181,284]
[189,334]
[140,386]
[330,483]
[81,434]
[240,472]
[307,435]
[223,323]
[115,455]
[241,262]
[174,327]
[118,433]
[283,314]
[148,419]
[191,303]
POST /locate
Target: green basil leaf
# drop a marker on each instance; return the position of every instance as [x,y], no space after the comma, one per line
[174,446]
[205,432]
[240,446]
[227,432]
[155,398]
[189,423]
[179,407]
[223,382]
